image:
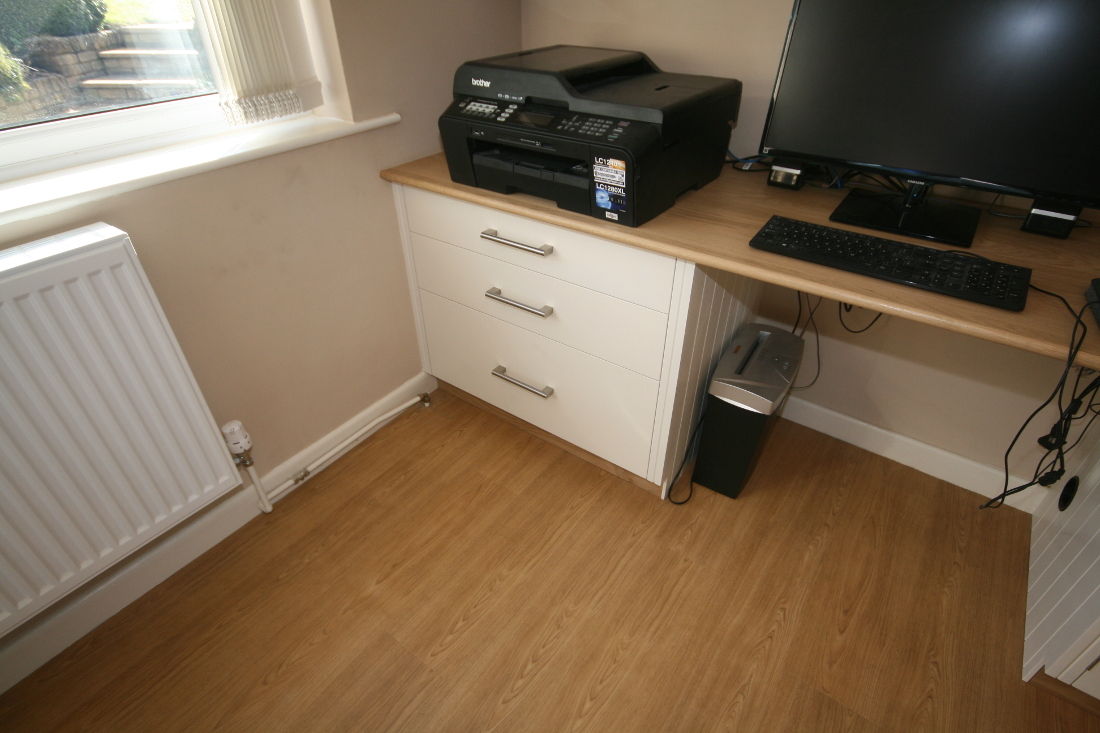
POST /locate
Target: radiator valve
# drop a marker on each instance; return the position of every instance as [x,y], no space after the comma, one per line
[240,445]
[239,442]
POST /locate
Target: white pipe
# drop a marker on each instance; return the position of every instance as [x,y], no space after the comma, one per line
[343,445]
[265,503]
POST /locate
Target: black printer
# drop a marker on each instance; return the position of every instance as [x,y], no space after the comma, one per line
[599,131]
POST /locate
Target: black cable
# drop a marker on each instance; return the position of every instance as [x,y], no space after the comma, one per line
[1076,384]
[797,294]
[1074,348]
[752,159]
[842,307]
[817,342]
[998,500]
[989,210]
[857,184]
[810,317]
[887,182]
[691,442]
[1083,431]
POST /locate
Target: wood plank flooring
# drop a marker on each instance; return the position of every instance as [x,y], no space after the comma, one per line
[455,573]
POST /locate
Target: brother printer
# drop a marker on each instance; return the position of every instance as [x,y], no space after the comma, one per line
[599,131]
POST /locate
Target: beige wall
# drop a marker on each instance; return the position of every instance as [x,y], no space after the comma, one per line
[951,391]
[283,277]
[739,39]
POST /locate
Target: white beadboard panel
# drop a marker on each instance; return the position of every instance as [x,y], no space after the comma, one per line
[720,303]
[1073,664]
[1049,523]
[635,275]
[105,440]
[1074,529]
[1063,606]
[679,313]
[621,332]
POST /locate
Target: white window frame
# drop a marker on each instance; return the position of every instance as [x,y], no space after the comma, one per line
[50,146]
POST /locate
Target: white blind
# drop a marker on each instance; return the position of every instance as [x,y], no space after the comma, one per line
[256,76]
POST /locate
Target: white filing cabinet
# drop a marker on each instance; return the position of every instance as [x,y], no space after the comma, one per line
[604,345]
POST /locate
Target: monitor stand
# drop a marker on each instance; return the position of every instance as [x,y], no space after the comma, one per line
[911,214]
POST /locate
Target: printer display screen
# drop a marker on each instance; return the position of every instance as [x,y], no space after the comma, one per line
[534,119]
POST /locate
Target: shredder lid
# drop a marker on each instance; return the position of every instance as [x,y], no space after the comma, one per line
[757,368]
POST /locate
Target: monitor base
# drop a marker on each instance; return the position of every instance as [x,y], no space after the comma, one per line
[912,215]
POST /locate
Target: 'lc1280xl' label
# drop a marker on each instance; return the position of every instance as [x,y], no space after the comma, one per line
[610,177]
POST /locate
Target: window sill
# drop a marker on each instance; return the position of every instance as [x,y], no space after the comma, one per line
[47,193]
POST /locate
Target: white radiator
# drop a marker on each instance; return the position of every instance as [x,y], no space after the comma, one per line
[105,439]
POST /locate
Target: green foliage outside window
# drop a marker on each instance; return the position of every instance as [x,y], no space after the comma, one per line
[21,19]
[11,75]
[74,18]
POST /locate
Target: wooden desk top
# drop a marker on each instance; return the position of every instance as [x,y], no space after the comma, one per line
[713,226]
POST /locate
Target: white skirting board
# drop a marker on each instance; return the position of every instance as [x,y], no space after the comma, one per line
[987,481]
[39,640]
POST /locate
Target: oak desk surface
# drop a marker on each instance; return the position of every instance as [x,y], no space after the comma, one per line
[712,226]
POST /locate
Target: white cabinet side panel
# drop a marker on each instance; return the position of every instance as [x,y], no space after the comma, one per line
[679,312]
[410,271]
[720,303]
[1064,579]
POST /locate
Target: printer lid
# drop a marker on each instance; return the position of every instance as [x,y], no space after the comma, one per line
[581,66]
[594,80]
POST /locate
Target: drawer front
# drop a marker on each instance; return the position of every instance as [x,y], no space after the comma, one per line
[625,272]
[624,333]
[596,405]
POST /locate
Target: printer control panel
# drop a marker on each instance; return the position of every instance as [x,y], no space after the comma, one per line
[487,109]
[570,123]
[589,126]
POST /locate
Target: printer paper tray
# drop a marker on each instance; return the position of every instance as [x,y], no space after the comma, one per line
[511,170]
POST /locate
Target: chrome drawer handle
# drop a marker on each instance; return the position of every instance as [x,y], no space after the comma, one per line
[491,235]
[543,393]
[494,294]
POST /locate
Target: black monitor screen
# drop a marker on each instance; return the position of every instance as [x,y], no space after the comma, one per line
[971,92]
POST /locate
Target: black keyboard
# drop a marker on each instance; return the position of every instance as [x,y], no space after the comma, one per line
[950,272]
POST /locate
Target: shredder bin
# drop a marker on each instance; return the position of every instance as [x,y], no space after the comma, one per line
[749,384]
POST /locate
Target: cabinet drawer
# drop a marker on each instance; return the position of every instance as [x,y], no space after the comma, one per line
[612,329]
[625,272]
[596,405]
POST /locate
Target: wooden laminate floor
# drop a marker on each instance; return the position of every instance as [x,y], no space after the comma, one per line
[454,573]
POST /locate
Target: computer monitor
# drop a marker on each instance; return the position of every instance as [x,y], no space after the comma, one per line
[996,95]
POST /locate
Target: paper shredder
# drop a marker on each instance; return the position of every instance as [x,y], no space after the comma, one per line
[749,384]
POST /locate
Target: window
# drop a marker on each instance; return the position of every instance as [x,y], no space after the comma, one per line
[73,139]
[63,58]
